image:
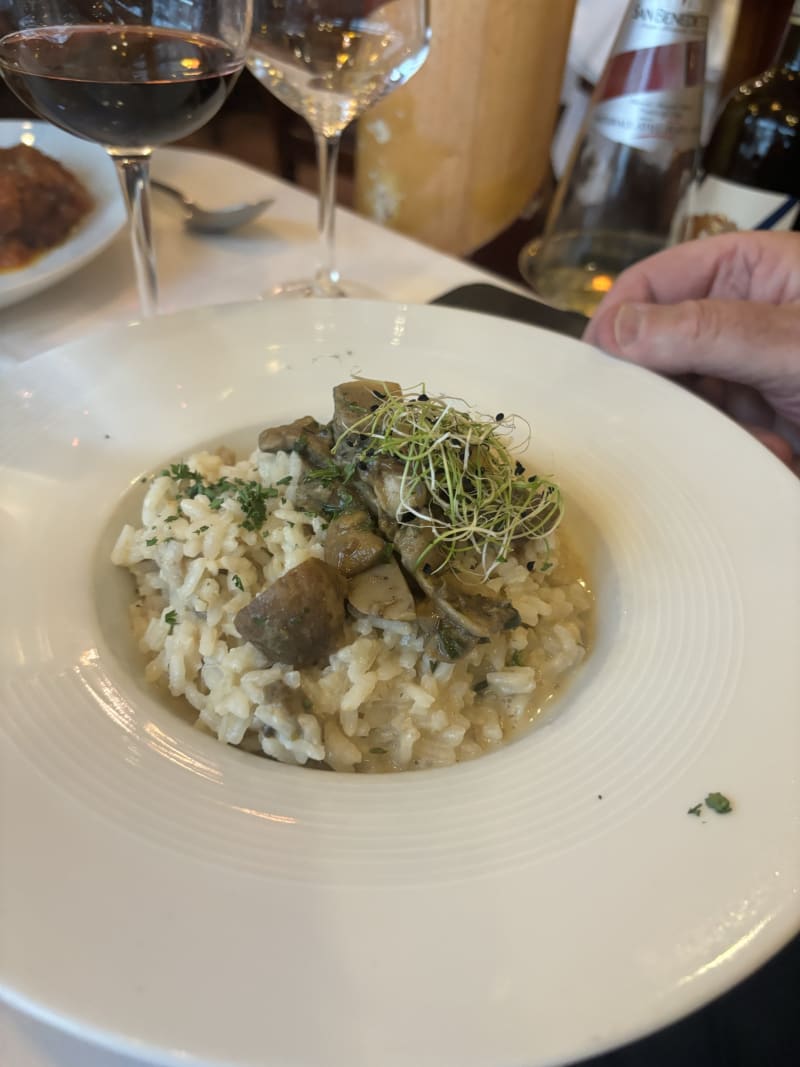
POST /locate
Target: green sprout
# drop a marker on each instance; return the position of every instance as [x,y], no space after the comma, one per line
[478,498]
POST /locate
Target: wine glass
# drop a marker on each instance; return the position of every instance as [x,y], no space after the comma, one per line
[129,75]
[330,60]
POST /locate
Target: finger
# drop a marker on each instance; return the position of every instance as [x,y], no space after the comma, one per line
[747,406]
[774,442]
[742,341]
[711,389]
[684,272]
[734,266]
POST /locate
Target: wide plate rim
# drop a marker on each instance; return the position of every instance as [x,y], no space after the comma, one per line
[782,924]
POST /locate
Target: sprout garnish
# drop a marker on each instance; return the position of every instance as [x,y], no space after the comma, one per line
[480,499]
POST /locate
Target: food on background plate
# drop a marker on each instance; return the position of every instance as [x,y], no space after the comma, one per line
[386,591]
[41,204]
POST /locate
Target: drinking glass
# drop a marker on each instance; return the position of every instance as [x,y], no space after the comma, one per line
[330,60]
[129,75]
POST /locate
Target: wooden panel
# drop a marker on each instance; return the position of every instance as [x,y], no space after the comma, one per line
[454,156]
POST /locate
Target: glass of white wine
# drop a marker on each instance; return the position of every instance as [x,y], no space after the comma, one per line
[330,60]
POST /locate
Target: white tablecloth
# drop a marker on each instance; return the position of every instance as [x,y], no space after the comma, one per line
[196,270]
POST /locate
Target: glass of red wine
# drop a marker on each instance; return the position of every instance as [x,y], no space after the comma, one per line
[129,75]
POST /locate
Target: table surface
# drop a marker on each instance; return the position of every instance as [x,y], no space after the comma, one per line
[196,270]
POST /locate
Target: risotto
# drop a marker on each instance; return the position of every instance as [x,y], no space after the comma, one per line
[218,536]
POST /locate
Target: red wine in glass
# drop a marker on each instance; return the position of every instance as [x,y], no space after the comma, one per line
[122,86]
[129,77]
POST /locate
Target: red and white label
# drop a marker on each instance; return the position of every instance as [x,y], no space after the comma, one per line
[651,92]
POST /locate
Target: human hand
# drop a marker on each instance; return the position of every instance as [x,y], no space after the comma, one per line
[722,314]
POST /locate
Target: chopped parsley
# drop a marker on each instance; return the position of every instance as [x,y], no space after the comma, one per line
[516,658]
[285,481]
[171,619]
[151,541]
[345,502]
[378,751]
[719,803]
[251,496]
[237,581]
[332,474]
[201,529]
[252,499]
[178,471]
[172,518]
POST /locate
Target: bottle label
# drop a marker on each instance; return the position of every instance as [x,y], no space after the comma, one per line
[664,22]
[651,92]
[648,120]
[719,206]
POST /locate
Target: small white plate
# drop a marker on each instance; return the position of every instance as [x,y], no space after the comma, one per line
[91,164]
[186,902]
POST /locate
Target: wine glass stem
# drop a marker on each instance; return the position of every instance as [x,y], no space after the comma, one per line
[326,279]
[134,176]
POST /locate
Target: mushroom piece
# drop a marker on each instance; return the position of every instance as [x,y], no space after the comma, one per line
[386,476]
[305,435]
[383,591]
[355,399]
[446,640]
[474,613]
[478,614]
[300,618]
[352,545]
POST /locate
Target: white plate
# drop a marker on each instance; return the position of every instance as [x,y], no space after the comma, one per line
[182,900]
[91,164]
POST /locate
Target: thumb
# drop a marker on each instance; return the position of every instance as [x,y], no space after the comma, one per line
[740,340]
[744,341]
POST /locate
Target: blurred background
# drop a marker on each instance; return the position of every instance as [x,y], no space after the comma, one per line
[465,156]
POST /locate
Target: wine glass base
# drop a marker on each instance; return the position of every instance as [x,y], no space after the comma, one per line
[309,287]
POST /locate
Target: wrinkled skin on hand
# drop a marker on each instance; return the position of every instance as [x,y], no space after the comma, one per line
[722,315]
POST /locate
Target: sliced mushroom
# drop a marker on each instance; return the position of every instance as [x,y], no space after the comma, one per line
[305,435]
[418,554]
[355,399]
[446,639]
[352,545]
[385,476]
[328,494]
[382,591]
[300,618]
[479,614]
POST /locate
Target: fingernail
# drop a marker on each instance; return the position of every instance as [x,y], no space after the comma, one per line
[628,325]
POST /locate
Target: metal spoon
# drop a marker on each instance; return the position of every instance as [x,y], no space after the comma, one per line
[209,220]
